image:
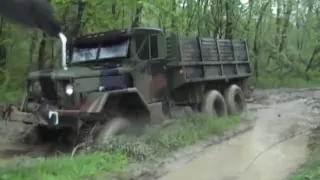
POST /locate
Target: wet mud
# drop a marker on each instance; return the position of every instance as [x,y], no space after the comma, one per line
[272,150]
[276,145]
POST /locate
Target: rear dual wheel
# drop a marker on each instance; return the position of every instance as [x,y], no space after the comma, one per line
[235,100]
[214,104]
[232,103]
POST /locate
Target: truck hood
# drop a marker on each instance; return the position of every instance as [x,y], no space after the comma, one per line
[78,72]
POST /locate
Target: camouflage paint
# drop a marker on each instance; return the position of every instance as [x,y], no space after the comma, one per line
[77,72]
[94,85]
[158,84]
[194,59]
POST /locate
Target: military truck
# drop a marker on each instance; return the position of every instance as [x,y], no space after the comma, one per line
[120,80]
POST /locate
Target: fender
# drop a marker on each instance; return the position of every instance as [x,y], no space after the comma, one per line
[96,101]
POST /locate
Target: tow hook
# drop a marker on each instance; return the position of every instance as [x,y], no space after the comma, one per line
[53,117]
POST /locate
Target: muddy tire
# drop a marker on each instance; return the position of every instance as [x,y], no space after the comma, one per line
[214,104]
[235,100]
[111,129]
[138,124]
[32,136]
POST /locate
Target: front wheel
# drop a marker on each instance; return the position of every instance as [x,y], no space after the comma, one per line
[112,128]
[32,136]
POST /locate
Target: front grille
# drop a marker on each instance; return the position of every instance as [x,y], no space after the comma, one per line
[49,90]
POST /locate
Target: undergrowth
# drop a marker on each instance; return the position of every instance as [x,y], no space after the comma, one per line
[183,133]
[118,153]
[311,169]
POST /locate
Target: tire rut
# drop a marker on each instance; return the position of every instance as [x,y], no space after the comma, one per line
[276,146]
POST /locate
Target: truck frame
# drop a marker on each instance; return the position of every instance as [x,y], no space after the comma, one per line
[121,80]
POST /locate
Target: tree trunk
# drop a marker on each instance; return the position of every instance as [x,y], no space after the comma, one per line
[285,26]
[229,19]
[256,42]
[137,17]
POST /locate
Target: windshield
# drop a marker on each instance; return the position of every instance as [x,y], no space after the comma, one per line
[106,52]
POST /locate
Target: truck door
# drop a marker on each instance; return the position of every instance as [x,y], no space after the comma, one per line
[158,84]
[153,68]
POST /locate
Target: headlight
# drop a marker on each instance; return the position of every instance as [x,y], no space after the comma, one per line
[69,89]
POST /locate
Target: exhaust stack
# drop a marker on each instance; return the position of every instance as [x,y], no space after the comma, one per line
[63,39]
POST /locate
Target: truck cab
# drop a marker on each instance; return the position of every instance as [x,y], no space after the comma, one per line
[137,73]
[141,49]
[125,46]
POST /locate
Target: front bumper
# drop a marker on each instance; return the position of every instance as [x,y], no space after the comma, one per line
[47,116]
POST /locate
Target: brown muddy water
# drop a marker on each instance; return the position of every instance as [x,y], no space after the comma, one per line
[274,149]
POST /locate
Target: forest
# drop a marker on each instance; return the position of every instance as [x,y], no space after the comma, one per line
[283,36]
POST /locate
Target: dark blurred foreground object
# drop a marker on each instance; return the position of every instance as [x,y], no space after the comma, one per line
[31,13]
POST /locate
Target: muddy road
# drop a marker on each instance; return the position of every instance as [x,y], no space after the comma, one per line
[272,150]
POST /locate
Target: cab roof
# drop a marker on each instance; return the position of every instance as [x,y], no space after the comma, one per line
[111,37]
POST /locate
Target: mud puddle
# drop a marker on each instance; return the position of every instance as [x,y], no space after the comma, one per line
[254,155]
[275,147]
[11,147]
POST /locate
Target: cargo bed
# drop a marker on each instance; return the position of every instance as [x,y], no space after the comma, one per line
[196,59]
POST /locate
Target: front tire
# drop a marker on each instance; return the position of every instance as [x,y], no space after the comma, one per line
[112,128]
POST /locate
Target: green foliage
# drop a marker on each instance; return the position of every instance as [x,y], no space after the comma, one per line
[280,49]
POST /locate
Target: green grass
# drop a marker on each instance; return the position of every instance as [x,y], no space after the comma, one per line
[65,168]
[189,131]
[311,170]
[117,154]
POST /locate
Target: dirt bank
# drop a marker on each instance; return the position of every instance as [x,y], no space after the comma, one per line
[269,151]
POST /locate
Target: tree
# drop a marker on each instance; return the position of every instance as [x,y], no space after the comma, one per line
[283,36]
